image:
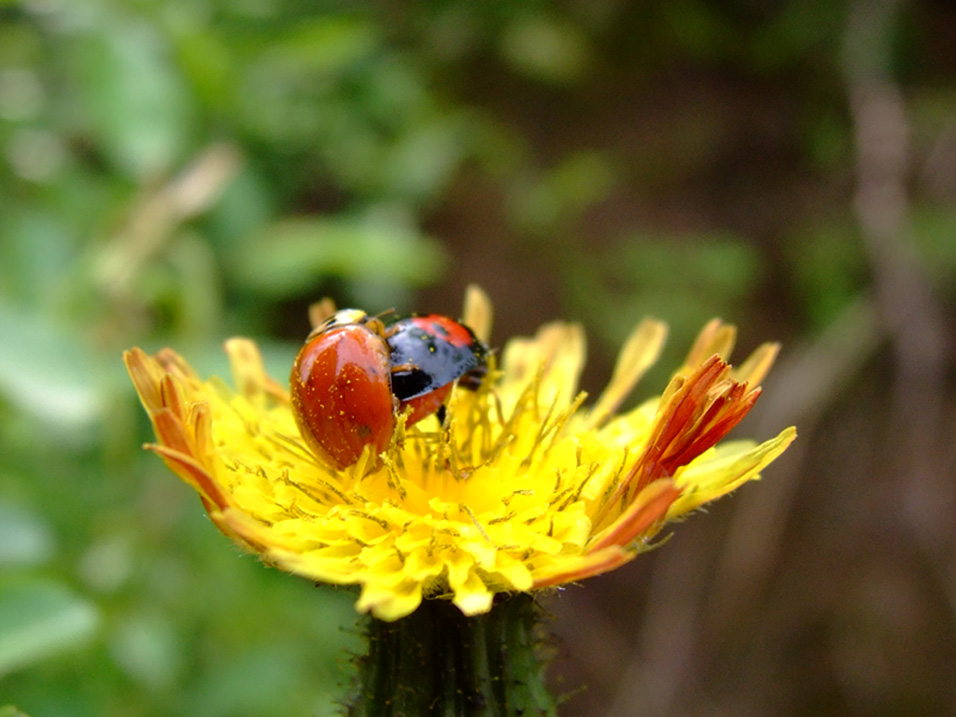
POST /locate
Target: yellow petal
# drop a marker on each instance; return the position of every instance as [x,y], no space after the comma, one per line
[478,313]
[640,352]
[724,470]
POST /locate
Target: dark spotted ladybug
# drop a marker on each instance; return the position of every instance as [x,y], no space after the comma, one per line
[355,375]
[428,354]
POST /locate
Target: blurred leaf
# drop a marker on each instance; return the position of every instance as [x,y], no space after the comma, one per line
[797,31]
[108,562]
[293,255]
[35,256]
[246,204]
[135,99]
[49,372]
[298,84]
[207,63]
[22,95]
[147,649]
[699,28]
[934,229]
[10,710]
[193,295]
[25,538]
[827,141]
[39,619]
[323,44]
[249,683]
[828,269]
[576,183]
[546,49]
[421,162]
[684,280]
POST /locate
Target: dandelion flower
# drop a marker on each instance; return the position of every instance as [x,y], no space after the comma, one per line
[524,486]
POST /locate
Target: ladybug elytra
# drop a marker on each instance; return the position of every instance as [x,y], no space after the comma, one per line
[341,390]
[429,353]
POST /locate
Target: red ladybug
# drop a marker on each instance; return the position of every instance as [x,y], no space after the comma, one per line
[341,389]
[428,354]
[355,374]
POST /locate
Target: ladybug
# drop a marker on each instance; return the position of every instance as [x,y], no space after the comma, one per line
[428,354]
[341,388]
[355,374]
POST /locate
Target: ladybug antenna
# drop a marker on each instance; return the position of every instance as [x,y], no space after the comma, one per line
[388,313]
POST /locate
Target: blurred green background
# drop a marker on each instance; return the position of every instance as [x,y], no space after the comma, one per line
[178,172]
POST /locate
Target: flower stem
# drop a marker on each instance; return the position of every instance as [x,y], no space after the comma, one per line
[437,661]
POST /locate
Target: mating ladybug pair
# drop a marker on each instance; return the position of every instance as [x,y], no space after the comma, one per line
[357,373]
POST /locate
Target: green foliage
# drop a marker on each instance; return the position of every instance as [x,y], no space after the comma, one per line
[285,258]
[934,229]
[546,48]
[155,155]
[688,280]
[39,619]
[828,269]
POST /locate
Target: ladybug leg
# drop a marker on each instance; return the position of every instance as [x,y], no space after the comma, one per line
[441,414]
[387,324]
[376,325]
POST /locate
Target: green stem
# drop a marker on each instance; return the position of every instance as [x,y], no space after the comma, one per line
[436,661]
